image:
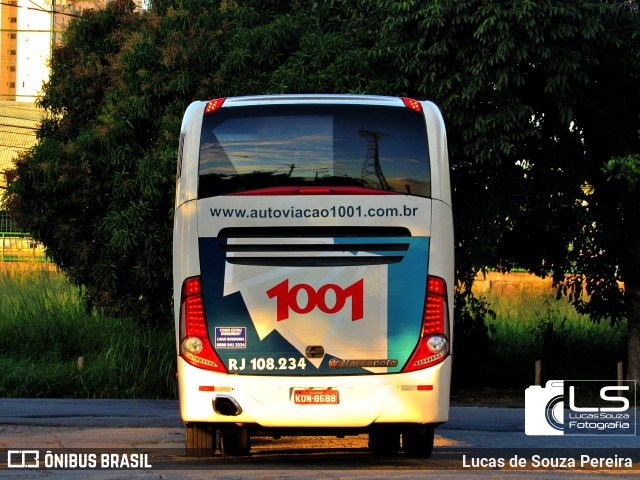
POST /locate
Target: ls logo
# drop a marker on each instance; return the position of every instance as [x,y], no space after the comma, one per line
[287,299]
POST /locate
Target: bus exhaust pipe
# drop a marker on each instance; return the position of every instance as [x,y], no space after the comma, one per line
[226,405]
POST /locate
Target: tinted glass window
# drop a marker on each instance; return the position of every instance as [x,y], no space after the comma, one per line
[247,148]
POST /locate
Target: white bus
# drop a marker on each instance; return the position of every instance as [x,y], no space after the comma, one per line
[313,271]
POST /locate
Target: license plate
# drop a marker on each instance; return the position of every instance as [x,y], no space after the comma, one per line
[316,397]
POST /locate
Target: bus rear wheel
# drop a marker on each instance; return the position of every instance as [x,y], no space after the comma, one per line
[384,440]
[199,441]
[418,442]
[235,443]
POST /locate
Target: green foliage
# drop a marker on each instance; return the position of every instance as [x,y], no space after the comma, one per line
[471,339]
[537,326]
[624,168]
[97,189]
[44,329]
[538,98]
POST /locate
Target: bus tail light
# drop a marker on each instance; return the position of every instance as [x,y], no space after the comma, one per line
[433,345]
[195,346]
[412,104]
[213,105]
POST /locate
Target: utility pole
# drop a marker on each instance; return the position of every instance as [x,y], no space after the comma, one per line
[371,166]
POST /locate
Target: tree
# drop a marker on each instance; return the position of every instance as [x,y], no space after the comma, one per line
[539,97]
[57,190]
[97,189]
[541,100]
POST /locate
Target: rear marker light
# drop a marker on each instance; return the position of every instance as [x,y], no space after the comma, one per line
[416,388]
[213,388]
[412,104]
[213,105]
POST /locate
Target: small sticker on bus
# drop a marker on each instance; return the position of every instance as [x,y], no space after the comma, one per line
[231,337]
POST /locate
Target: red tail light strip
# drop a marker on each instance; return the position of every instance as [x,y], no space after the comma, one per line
[193,325]
[433,345]
[316,191]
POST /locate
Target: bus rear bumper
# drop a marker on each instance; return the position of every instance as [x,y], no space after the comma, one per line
[420,397]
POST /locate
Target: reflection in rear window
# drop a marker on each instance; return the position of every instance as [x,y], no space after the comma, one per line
[248,148]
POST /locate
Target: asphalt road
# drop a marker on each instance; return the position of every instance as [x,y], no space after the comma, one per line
[147,437]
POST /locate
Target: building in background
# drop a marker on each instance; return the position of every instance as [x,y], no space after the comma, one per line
[18,124]
[28,30]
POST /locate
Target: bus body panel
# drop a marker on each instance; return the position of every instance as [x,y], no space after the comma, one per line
[438,154]
[413,213]
[187,185]
[340,99]
[243,311]
[240,246]
[441,259]
[185,243]
[364,400]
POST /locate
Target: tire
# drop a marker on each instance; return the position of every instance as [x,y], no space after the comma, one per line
[384,441]
[199,441]
[418,442]
[235,443]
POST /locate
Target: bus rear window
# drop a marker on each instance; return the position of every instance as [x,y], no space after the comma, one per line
[256,147]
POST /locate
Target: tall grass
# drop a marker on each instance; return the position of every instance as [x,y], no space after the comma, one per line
[44,328]
[532,326]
